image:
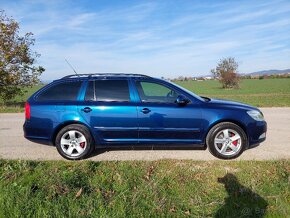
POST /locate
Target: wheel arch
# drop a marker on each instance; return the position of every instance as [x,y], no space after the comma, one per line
[240,124]
[67,123]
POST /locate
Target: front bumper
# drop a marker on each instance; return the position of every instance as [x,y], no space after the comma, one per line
[257,133]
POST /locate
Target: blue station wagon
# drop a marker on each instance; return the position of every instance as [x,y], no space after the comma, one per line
[81,113]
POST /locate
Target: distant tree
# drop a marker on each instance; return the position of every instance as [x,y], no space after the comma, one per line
[180,78]
[227,73]
[17,60]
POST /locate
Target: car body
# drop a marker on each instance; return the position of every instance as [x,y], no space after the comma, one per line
[131,109]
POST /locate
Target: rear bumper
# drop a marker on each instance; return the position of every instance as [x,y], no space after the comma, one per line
[39,140]
[29,135]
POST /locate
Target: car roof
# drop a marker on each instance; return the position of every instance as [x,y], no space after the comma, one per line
[104,75]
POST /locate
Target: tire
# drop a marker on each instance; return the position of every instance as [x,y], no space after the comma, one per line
[226,140]
[74,142]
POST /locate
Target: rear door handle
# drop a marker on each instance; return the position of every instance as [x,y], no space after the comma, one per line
[87,109]
[145,110]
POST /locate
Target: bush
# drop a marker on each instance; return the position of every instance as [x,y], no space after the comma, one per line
[227,73]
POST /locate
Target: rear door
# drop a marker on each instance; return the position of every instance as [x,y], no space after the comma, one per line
[108,109]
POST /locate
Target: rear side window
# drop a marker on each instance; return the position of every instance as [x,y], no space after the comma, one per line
[66,91]
[108,90]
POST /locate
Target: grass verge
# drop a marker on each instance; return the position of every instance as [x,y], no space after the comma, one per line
[143,189]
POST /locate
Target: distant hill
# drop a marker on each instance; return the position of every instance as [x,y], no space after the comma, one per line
[269,72]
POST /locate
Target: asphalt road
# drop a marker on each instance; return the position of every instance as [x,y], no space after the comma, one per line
[277,146]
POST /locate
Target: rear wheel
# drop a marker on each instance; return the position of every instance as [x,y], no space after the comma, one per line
[74,142]
[226,140]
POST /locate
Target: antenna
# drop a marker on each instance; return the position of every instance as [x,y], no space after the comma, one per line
[71,67]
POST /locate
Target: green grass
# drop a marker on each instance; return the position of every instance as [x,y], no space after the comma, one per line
[17,104]
[168,188]
[260,93]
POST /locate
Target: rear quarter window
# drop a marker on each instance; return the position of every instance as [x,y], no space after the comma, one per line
[64,91]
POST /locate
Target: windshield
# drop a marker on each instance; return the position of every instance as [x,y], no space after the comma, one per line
[189,92]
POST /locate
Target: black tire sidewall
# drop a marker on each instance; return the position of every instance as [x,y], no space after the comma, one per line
[219,127]
[84,131]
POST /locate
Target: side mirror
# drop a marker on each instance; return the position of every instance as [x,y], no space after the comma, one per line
[181,100]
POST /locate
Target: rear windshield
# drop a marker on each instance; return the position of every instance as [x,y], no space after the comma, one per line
[108,90]
[64,91]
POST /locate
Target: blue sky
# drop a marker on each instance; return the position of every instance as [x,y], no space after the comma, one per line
[157,38]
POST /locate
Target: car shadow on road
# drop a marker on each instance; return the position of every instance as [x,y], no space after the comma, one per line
[144,147]
[241,201]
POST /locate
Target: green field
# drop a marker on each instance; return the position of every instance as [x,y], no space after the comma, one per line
[17,104]
[168,188]
[260,93]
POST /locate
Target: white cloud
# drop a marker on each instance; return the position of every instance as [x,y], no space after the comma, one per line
[81,19]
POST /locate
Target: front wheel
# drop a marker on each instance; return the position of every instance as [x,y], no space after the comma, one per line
[74,142]
[226,140]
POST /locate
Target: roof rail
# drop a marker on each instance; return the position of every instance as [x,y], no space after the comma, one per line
[103,75]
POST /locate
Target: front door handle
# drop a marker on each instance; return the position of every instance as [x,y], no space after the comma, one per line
[145,110]
[87,109]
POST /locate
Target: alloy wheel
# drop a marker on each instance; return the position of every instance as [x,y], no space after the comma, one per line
[73,143]
[228,142]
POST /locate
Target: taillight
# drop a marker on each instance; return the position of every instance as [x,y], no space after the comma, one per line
[27,111]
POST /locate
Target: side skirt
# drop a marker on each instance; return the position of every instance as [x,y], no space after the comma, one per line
[153,146]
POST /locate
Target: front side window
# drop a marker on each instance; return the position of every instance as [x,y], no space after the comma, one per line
[108,90]
[64,91]
[155,92]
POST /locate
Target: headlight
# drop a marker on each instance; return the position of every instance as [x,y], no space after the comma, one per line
[256,115]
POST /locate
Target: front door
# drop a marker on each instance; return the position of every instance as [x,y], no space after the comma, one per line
[161,119]
[108,109]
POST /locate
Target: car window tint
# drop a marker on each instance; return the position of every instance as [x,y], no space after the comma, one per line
[108,90]
[154,92]
[65,91]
